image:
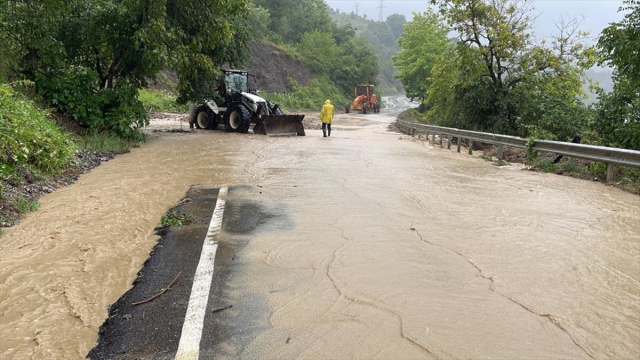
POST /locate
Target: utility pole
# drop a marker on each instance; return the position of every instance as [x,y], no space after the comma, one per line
[380,17]
[357,7]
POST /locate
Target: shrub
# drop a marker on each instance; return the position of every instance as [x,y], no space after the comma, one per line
[115,110]
[28,138]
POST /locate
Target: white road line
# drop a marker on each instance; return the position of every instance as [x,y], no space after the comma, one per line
[189,347]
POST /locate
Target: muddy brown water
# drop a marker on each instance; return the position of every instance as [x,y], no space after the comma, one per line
[399,250]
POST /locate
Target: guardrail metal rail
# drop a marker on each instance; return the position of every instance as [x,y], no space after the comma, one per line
[607,155]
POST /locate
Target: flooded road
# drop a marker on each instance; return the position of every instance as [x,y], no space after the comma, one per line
[398,250]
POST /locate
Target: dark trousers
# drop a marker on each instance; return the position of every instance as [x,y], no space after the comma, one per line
[326,126]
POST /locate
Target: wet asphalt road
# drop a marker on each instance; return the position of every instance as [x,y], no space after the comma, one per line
[366,245]
[146,322]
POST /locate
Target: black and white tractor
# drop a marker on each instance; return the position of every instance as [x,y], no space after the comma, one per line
[236,106]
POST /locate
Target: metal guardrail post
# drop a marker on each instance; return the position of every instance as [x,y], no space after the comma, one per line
[610,169]
[610,156]
[500,152]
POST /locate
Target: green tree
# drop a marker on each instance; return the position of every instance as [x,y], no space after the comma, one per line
[396,24]
[511,84]
[383,37]
[357,63]
[618,113]
[422,42]
[353,62]
[291,19]
[259,21]
[88,57]
[319,51]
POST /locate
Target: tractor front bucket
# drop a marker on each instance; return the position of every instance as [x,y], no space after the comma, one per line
[280,125]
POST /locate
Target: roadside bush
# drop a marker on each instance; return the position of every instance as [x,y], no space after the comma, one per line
[28,138]
[310,97]
[115,110]
[161,101]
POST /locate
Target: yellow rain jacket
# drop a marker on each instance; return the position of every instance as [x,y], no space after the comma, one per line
[326,115]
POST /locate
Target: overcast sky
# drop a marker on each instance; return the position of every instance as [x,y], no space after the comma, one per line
[598,13]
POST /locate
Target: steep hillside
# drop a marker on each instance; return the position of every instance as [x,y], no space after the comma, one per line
[270,64]
[273,67]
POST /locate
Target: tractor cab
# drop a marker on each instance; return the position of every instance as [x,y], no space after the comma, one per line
[237,80]
[231,87]
[363,89]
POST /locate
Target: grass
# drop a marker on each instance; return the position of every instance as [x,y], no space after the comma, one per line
[174,218]
[410,115]
[24,205]
[160,101]
[107,142]
[310,97]
[280,48]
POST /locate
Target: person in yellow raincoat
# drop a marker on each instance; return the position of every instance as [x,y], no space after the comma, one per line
[326,116]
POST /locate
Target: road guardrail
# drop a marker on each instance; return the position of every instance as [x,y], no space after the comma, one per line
[607,155]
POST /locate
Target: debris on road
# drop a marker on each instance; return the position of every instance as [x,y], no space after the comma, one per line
[158,294]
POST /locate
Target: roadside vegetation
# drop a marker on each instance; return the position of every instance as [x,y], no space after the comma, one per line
[73,77]
[494,76]
[336,54]
[173,218]
[160,101]
[31,145]
[28,138]
[308,97]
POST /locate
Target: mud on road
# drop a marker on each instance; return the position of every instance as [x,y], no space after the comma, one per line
[396,249]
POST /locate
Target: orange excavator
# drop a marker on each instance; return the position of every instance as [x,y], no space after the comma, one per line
[365,100]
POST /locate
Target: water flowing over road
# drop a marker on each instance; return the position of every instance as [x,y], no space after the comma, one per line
[397,250]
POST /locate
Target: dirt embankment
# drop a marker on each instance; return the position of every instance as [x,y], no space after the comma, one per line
[272,68]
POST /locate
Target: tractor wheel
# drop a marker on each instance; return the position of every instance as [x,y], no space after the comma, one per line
[364,108]
[347,108]
[203,116]
[239,119]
